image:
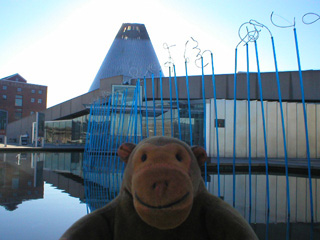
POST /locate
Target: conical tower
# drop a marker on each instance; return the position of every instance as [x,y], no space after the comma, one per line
[131,55]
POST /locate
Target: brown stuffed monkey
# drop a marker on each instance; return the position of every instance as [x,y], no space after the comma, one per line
[162,197]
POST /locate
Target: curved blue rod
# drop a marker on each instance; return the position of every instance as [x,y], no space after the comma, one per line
[177,97]
[216,122]
[161,96]
[305,122]
[264,127]
[170,89]
[249,130]
[234,128]
[283,128]
[140,110]
[154,109]
[189,105]
[204,119]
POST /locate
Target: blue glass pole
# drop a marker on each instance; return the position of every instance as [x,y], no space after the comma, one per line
[305,123]
[162,115]
[120,122]
[283,128]
[216,122]
[189,105]
[110,137]
[177,97]
[204,119]
[249,129]
[140,106]
[234,128]
[146,105]
[154,109]
[130,118]
[110,144]
[170,89]
[136,112]
[106,131]
[101,133]
[264,126]
[112,150]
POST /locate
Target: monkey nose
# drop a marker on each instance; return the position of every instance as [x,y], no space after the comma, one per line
[160,187]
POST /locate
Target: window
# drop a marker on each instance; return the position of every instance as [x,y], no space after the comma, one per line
[18,89]
[33,91]
[32,112]
[32,99]
[4,97]
[4,87]
[39,100]
[40,91]
[18,101]
[18,114]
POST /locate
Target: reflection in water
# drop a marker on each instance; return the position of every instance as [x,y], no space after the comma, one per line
[22,179]
[102,186]
[29,194]
[22,176]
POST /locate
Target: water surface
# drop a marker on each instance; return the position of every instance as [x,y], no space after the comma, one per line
[42,194]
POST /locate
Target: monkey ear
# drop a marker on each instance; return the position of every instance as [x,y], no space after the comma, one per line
[125,150]
[200,154]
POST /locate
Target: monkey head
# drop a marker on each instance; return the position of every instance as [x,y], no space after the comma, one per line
[163,177]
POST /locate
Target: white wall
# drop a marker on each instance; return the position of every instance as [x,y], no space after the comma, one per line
[293,121]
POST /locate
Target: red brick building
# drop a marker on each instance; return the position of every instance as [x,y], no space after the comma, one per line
[21,99]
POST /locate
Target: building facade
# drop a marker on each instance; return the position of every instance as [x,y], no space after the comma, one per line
[21,99]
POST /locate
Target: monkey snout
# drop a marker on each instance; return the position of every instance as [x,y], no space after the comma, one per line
[160,187]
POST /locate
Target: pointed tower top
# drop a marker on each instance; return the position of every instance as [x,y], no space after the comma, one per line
[130,55]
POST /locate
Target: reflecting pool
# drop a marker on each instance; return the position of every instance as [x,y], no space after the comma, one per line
[42,194]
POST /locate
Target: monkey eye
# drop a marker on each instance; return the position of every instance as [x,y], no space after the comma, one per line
[144,157]
[178,157]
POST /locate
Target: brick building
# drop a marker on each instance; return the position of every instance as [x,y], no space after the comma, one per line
[21,99]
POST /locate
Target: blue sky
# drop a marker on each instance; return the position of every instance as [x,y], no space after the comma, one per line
[62,43]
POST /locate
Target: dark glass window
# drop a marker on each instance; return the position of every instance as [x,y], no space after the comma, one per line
[33,91]
[19,89]
[4,87]
[32,99]
[39,100]
[40,91]
[4,97]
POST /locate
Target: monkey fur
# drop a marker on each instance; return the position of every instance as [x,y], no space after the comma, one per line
[162,196]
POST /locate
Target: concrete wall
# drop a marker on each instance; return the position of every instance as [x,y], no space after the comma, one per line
[294,126]
[289,84]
